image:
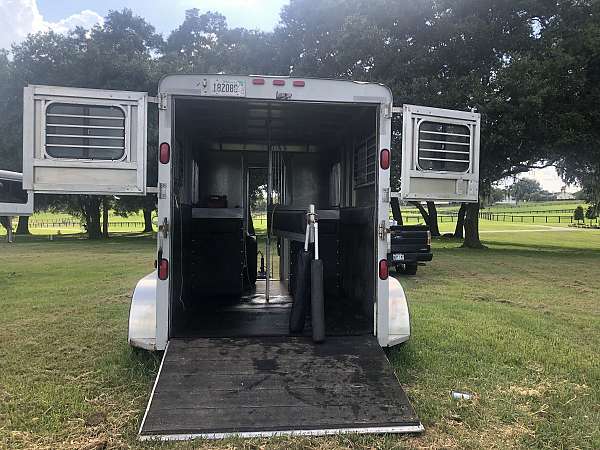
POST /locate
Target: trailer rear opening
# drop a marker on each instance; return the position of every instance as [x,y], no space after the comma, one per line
[230,366]
[315,153]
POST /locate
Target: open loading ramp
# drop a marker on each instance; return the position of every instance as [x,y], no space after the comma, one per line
[217,387]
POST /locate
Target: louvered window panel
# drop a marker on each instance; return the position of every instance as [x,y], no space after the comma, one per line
[365,162]
[93,132]
[444,147]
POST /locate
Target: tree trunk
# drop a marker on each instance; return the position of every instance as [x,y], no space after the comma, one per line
[23,226]
[6,222]
[459,231]
[434,228]
[396,212]
[90,210]
[429,216]
[147,220]
[105,210]
[422,210]
[472,227]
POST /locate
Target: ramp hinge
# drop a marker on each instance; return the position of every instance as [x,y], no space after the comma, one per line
[162,101]
[384,230]
[387,111]
[164,228]
[385,195]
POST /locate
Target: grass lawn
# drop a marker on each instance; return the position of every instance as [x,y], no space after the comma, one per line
[538,213]
[517,324]
[537,206]
[53,223]
[50,223]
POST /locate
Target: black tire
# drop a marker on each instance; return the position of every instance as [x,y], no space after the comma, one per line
[301,293]
[317,301]
[410,269]
[407,269]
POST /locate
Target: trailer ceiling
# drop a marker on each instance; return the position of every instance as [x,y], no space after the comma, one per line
[237,121]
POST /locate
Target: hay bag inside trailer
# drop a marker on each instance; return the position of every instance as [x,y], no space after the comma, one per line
[317,300]
[301,292]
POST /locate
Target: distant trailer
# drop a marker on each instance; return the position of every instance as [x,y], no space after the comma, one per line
[231,365]
[14,200]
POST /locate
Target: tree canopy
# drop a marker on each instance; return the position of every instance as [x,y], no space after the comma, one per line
[531,67]
[526,189]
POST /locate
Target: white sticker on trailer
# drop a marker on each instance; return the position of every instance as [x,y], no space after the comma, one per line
[226,88]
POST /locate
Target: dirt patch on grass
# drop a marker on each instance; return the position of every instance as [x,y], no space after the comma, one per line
[453,434]
[537,391]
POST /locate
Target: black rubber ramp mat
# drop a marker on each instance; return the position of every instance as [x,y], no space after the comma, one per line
[216,387]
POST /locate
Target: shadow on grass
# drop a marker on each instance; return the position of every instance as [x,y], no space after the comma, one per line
[559,248]
[404,360]
[141,363]
[137,366]
[519,248]
[114,239]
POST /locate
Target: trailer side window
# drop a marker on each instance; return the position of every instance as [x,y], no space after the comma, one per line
[444,147]
[79,131]
[365,162]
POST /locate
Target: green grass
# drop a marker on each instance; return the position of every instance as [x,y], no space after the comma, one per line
[517,324]
[53,223]
[517,217]
[523,207]
[536,206]
[528,208]
[411,215]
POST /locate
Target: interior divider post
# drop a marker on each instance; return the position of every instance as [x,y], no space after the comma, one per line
[269,204]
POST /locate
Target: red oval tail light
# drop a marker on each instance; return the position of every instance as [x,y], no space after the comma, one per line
[384,271]
[164,154]
[384,159]
[163,269]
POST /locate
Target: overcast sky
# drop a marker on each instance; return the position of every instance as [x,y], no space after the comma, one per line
[20,17]
[549,180]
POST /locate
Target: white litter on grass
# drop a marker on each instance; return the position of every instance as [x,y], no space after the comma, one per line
[457,395]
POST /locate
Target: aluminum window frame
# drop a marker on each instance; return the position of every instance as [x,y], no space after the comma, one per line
[126,109]
[417,140]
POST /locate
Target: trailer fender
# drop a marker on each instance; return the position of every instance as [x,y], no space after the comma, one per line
[142,314]
[399,318]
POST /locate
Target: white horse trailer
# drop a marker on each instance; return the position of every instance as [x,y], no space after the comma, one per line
[230,363]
